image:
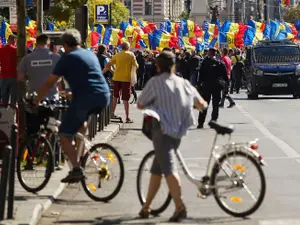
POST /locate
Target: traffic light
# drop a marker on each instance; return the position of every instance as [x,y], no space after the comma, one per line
[81,21]
[46,5]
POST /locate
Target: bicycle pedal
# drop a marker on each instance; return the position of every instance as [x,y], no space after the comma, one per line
[199,195]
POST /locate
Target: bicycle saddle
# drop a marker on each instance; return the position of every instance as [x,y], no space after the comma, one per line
[221,129]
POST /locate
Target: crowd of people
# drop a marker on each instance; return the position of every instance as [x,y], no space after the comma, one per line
[173,82]
[194,66]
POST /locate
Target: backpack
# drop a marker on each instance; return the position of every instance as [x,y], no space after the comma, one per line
[239,64]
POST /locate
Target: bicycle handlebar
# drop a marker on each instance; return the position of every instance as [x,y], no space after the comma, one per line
[31,107]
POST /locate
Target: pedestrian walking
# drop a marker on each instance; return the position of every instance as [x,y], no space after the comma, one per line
[194,67]
[141,70]
[212,77]
[124,62]
[173,99]
[226,60]
[103,60]
[237,72]
[8,72]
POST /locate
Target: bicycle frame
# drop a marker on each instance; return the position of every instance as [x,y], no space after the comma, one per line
[187,172]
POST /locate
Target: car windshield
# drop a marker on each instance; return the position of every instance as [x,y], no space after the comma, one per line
[277,54]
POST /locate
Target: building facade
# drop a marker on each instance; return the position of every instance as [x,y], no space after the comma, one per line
[155,10]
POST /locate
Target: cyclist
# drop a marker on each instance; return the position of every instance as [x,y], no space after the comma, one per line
[37,67]
[90,94]
[173,99]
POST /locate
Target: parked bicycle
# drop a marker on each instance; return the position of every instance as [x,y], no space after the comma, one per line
[98,160]
[225,175]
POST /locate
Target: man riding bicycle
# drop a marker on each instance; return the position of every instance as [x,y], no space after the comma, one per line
[90,93]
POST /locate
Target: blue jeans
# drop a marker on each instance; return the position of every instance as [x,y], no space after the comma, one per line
[194,77]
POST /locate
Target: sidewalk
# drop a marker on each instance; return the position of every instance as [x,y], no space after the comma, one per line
[28,207]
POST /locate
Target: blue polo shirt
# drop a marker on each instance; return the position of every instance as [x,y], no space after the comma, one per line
[81,69]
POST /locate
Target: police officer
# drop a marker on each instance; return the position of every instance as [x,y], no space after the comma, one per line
[212,78]
[36,68]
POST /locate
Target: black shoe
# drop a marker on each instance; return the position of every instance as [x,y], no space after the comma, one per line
[231,105]
[74,176]
[200,126]
[221,105]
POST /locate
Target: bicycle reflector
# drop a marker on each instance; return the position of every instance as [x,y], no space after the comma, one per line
[254,146]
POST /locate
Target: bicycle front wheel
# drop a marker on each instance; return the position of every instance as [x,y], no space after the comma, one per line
[104,170]
[35,164]
[163,196]
[237,180]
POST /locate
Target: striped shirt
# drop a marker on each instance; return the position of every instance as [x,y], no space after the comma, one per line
[172,98]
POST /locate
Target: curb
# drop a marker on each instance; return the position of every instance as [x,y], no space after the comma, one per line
[109,132]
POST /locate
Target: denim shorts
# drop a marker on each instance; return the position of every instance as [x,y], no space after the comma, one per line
[79,110]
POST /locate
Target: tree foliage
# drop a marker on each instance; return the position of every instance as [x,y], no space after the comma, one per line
[119,11]
[184,15]
[292,14]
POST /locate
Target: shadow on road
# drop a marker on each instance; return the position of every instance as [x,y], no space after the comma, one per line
[130,219]
[26,198]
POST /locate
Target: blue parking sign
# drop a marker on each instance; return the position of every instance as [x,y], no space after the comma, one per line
[101,14]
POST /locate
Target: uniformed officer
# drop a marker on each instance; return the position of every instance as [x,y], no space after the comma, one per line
[212,78]
[36,68]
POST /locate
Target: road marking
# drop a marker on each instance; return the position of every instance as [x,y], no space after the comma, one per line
[279,222]
[288,150]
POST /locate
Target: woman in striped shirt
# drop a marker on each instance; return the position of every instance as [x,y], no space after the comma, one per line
[173,98]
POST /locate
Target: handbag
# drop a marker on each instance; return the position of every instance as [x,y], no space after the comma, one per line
[150,123]
[133,79]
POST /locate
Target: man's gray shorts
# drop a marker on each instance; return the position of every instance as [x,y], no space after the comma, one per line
[164,160]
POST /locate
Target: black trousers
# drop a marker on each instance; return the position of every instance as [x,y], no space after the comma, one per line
[236,81]
[207,94]
[225,95]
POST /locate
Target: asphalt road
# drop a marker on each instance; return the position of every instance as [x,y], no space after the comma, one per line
[274,120]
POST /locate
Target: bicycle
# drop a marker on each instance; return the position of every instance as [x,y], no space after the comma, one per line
[86,154]
[218,162]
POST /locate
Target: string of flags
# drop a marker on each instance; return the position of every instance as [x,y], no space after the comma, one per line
[181,35]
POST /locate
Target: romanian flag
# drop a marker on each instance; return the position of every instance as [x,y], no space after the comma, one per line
[100,30]
[229,27]
[52,27]
[284,2]
[275,29]
[252,35]
[31,26]
[127,29]
[173,28]
[190,29]
[257,25]
[162,40]
[112,36]
[187,43]
[239,36]
[5,31]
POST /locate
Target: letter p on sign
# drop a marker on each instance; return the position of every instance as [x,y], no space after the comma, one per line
[100,9]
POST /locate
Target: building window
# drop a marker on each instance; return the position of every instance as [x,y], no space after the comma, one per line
[148,7]
[127,3]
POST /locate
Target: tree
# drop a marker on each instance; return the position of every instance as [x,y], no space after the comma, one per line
[119,11]
[184,15]
[292,14]
[21,48]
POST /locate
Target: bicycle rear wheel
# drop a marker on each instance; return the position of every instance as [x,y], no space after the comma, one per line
[145,166]
[100,162]
[234,182]
[35,157]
